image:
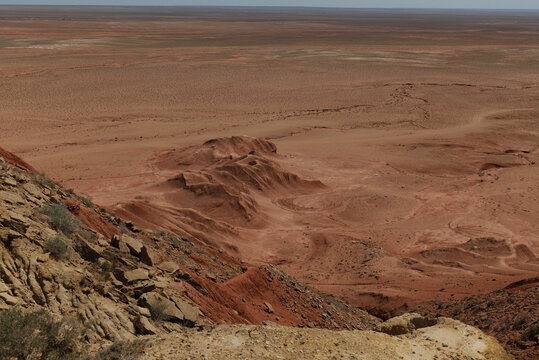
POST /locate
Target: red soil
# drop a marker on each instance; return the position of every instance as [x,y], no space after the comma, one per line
[244,299]
[233,193]
[241,300]
[15,160]
[229,290]
[226,289]
[213,151]
[91,219]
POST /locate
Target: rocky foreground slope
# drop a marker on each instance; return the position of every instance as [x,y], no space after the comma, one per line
[61,253]
[511,315]
[446,339]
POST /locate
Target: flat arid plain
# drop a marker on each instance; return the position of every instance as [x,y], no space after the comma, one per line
[387,157]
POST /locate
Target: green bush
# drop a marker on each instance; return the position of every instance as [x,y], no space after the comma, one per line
[531,333]
[42,179]
[58,248]
[87,201]
[60,218]
[158,310]
[521,320]
[103,269]
[37,335]
[122,350]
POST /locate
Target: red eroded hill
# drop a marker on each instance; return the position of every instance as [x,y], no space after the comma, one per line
[215,187]
[213,151]
[240,195]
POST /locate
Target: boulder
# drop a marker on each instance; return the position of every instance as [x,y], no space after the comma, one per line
[144,287]
[211,276]
[404,324]
[269,308]
[43,257]
[118,243]
[86,251]
[4,288]
[143,326]
[168,266]
[148,256]
[128,277]
[14,221]
[142,311]
[175,310]
[166,308]
[132,244]
[10,300]
[190,312]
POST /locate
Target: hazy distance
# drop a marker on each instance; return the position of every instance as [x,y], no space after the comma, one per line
[455,4]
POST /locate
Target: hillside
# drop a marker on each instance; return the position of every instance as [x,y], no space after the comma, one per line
[113,271]
[61,253]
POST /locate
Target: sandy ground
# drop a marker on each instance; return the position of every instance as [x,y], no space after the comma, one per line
[423,127]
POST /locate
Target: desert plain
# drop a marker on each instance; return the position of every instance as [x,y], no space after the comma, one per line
[397,150]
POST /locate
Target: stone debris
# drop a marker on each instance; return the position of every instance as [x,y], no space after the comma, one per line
[269,308]
[447,339]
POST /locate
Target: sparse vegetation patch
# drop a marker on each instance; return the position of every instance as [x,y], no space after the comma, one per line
[60,218]
[42,179]
[58,248]
[158,309]
[37,335]
[122,350]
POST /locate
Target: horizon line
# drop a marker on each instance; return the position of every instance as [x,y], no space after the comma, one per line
[269,7]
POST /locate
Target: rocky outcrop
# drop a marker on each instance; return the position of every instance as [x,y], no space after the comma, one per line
[510,315]
[93,280]
[404,324]
[447,339]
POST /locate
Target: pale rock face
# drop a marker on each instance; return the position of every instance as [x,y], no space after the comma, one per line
[168,266]
[31,278]
[404,324]
[132,276]
[144,327]
[174,310]
[448,339]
